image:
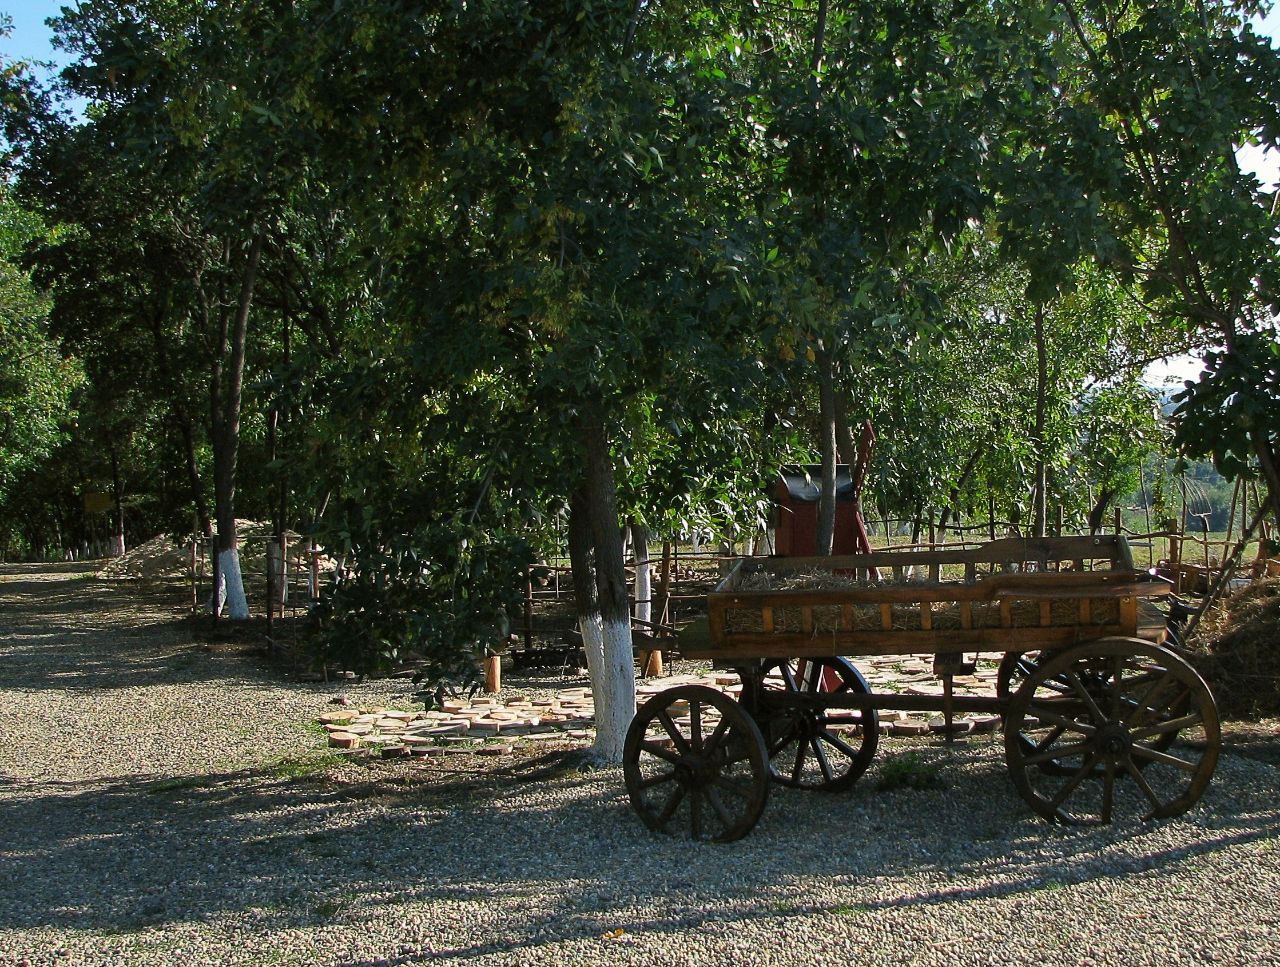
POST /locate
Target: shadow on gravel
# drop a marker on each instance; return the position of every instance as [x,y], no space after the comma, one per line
[552,852]
[84,634]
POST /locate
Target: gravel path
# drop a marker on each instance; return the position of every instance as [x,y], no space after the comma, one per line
[157,807]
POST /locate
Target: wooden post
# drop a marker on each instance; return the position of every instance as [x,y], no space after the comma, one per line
[1175,553]
[1118,521]
[492,674]
[528,611]
[991,517]
[269,561]
[315,573]
[195,578]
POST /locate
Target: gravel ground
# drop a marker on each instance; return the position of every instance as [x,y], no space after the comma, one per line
[161,804]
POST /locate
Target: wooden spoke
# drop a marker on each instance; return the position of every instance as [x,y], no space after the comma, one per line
[1154,755]
[1078,687]
[1056,753]
[668,723]
[1070,785]
[661,751]
[1053,718]
[1168,726]
[1136,775]
[717,734]
[672,804]
[656,780]
[823,763]
[835,740]
[695,726]
[717,807]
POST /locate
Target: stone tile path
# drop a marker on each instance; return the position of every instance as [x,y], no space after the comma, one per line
[485,725]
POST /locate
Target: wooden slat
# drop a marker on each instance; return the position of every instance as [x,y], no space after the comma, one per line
[1129,615]
[886,617]
[1101,547]
[823,644]
[926,616]
[1046,614]
[806,620]
[846,617]
[966,614]
[766,619]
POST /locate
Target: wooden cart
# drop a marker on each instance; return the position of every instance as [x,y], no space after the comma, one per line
[1093,705]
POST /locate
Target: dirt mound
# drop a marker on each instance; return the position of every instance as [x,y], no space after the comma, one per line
[166,557]
[1238,651]
[160,557]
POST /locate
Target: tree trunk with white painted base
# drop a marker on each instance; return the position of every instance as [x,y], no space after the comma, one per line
[613,685]
[583,569]
[230,593]
[225,386]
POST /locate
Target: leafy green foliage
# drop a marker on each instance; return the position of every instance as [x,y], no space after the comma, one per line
[1236,399]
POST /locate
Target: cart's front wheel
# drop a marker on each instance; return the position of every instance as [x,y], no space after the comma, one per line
[811,746]
[695,760]
[1094,731]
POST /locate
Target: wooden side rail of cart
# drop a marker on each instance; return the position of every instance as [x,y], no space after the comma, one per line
[999,611]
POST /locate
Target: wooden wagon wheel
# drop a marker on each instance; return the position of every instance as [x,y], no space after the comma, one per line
[695,759]
[815,748]
[1017,666]
[1092,732]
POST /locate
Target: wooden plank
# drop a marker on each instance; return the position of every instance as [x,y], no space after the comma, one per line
[886,617]
[1132,589]
[966,614]
[1129,615]
[926,616]
[870,643]
[846,617]
[766,619]
[806,620]
[1100,547]
[1046,614]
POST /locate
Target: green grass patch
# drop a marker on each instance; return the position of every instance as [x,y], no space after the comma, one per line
[304,768]
[178,783]
[850,909]
[909,771]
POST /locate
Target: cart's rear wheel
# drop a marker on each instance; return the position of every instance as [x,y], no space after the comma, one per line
[1094,732]
[816,748]
[695,760]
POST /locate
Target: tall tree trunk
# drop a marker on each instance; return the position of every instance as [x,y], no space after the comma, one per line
[953,498]
[1039,495]
[614,691]
[198,500]
[827,428]
[225,403]
[583,570]
[117,504]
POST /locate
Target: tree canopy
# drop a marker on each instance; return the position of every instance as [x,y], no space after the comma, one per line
[433,282]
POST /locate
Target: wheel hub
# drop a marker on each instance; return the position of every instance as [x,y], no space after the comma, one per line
[1114,741]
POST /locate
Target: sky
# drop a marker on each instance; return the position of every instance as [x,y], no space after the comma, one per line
[31,40]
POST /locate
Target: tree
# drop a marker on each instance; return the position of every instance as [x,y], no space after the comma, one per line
[1167,93]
